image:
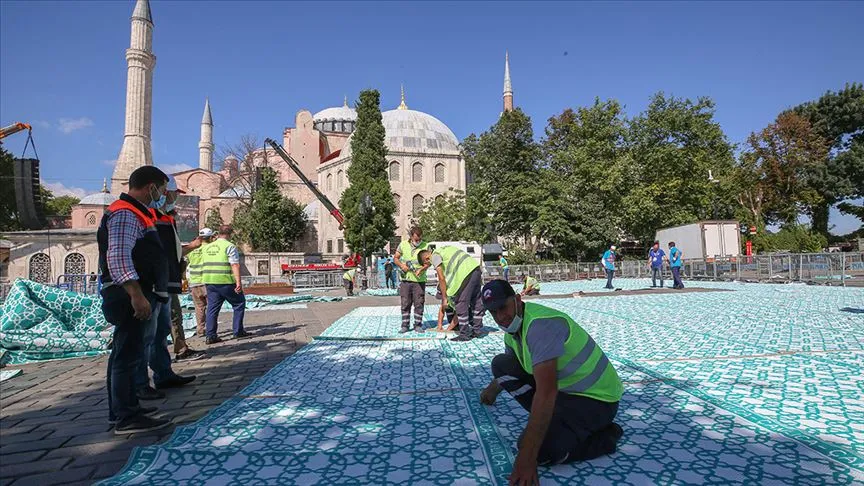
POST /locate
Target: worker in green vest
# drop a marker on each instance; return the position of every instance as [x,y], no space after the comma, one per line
[556,372]
[530,286]
[348,279]
[459,280]
[220,271]
[412,290]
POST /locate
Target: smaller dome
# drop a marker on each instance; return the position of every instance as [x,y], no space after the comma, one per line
[98,199]
[311,210]
[338,113]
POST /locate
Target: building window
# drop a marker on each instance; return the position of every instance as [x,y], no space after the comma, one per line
[394,171]
[439,173]
[417,172]
[91,219]
[340,177]
[397,200]
[264,267]
[340,245]
[329,246]
[329,182]
[417,204]
[40,268]
[439,198]
[74,264]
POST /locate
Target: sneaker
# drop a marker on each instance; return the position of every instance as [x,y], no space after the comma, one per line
[149,393]
[212,340]
[141,411]
[175,382]
[242,334]
[403,330]
[190,355]
[461,339]
[139,423]
[418,329]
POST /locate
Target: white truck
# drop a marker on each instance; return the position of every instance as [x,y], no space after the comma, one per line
[703,240]
[484,254]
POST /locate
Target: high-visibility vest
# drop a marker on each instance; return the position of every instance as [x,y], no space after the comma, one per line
[195,277]
[349,275]
[408,256]
[583,369]
[457,266]
[215,268]
[147,220]
[532,283]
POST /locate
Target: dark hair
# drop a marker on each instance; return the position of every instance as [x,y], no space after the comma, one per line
[671,243]
[656,242]
[225,230]
[148,174]
[415,229]
[422,254]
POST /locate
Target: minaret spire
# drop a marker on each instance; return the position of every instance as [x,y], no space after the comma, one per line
[402,105]
[508,88]
[205,145]
[136,150]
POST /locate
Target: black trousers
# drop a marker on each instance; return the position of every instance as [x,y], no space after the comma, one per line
[581,427]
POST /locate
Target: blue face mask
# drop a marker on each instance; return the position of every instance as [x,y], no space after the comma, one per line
[515,324]
[156,203]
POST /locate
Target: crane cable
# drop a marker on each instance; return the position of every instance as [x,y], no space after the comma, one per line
[30,141]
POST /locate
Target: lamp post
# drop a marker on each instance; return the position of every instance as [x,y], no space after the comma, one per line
[366,209]
[713,182]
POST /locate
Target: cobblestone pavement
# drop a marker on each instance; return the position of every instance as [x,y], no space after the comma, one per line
[54,420]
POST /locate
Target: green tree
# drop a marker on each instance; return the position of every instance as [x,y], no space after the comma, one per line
[794,238]
[214,219]
[8,207]
[60,205]
[368,228]
[838,117]
[586,150]
[273,222]
[444,218]
[673,145]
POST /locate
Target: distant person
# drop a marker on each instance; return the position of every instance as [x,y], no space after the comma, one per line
[220,261]
[530,286]
[349,278]
[655,263]
[412,290]
[608,262]
[195,277]
[675,263]
[388,273]
[560,376]
[459,281]
[505,267]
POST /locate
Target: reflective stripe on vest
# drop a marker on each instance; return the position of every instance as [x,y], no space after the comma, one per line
[195,266]
[215,269]
[583,369]
[408,256]
[457,266]
[146,219]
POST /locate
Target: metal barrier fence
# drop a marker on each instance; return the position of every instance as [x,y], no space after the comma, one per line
[81,283]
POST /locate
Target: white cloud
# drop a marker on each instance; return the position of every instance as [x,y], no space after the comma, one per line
[42,123]
[109,162]
[59,189]
[174,168]
[69,125]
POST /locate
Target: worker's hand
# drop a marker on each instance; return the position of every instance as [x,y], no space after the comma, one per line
[488,396]
[524,471]
[141,306]
[238,288]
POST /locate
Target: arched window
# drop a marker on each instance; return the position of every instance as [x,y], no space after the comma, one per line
[439,198]
[340,179]
[74,264]
[91,219]
[417,172]
[439,172]
[394,171]
[417,204]
[329,182]
[40,268]
[397,200]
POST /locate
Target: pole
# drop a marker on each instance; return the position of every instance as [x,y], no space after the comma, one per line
[843,268]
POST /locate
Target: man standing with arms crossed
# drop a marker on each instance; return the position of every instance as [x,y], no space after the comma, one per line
[220,270]
[412,290]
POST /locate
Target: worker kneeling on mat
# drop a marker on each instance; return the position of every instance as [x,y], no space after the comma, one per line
[556,371]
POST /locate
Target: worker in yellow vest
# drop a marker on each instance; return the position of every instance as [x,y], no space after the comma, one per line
[197,289]
[530,286]
[459,280]
[556,372]
[220,272]
[348,279]
[412,290]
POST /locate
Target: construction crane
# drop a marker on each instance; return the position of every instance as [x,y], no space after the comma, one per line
[13,129]
[355,259]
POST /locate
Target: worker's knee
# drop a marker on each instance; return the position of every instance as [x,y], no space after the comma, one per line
[505,364]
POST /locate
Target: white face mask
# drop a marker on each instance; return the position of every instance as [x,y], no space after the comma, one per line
[515,324]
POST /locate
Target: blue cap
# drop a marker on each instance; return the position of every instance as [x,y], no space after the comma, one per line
[495,294]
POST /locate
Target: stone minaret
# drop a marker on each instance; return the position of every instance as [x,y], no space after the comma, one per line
[205,146]
[508,89]
[136,150]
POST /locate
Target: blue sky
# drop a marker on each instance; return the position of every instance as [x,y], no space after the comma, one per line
[63,67]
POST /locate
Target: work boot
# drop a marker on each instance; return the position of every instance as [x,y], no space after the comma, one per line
[141,411]
[403,330]
[190,355]
[139,423]
[212,340]
[418,329]
[175,382]
[149,393]
[242,334]
[461,339]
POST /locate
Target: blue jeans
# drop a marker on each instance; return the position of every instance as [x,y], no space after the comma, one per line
[609,274]
[507,274]
[127,351]
[216,295]
[676,278]
[656,272]
[156,331]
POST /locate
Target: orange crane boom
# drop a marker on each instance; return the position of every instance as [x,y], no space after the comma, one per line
[13,129]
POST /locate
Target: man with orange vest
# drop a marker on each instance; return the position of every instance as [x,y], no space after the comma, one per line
[134,275]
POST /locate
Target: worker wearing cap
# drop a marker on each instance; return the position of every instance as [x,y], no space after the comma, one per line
[348,279]
[530,286]
[196,282]
[220,270]
[556,372]
[459,281]
[412,290]
[608,262]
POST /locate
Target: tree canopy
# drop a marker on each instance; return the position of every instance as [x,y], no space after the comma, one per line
[273,222]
